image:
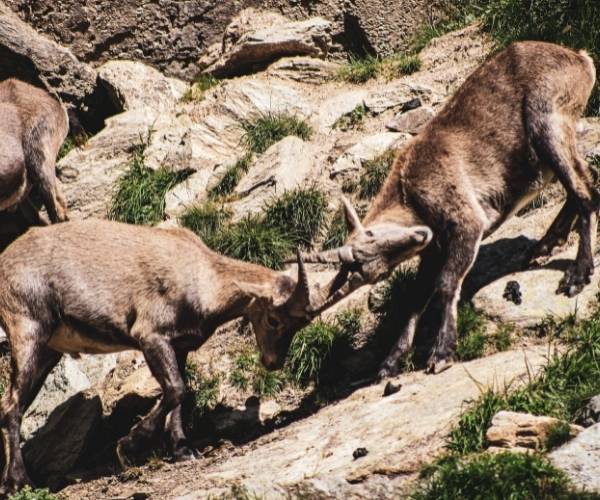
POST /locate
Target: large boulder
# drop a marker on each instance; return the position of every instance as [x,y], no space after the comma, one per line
[254,40]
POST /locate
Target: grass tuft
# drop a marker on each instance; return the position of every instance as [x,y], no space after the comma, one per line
[207,221]
[27,493]
[231,178]
[360,69]
[198,89]
[502,338]
[139,196]
[265,129]
[205,391]
[401,65]
[374,173]
[352,120]
[494,476]
[471,333]
[337,232]
[248,370]
[557,435]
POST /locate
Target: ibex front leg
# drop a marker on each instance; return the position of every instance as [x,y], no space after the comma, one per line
[162,361]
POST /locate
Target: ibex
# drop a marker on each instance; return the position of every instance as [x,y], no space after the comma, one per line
[33,127]
[98,287]
[507,132]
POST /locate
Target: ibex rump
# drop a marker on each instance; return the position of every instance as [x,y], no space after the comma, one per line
[97,287]
[33,127]
[507,132]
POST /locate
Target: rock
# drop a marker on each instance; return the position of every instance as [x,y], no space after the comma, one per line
[193,190]
[522,431]
[396,95]
[588,137]
[500,261]
[411,122]
[32,57]
[370,147]
[591,412]
[253,41]
[68,378]
[580,459]
[268,410]
[134,85]
[271,175]
[304,69]
[63,442]
[333,107]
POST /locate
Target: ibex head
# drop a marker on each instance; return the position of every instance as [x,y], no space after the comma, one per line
[374,251]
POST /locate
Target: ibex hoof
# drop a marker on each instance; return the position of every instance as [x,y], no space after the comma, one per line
[435,366]
[183,454]
[123,449]
[574,280]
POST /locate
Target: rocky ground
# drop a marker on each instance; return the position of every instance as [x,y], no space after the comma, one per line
[289,444]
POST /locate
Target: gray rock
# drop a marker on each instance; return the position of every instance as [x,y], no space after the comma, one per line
[304,69]
[591,412]
[580,459]
[412,121]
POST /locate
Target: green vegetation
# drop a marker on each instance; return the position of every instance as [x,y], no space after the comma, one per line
[374,173]
[352,120]
[337,232]
[319,343]
[207,221]
[502,338]
[205,391]
[265,129]
[471,333]
[30,494]
[248,370]
[199,87]
[399,65]
[558,435]
[495,477]
[139,196]
[230,179]
[360,70]
[561,390]
[299,214]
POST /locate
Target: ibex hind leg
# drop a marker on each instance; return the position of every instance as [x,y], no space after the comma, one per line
[554,139]
[162,361]
[31,363]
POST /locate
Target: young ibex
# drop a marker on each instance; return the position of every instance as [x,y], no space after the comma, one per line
[33,127]
[507,132]
[99,287]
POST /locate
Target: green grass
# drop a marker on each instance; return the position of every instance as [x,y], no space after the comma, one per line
[231,178]
[249,371]
[320,344]
[207,221]
[402,64]
[557,435]
[471,340]
[70,143]
[561,390]
[502,338]
[352,120]
[299,214]
[34,494]
[198,89]
[360,69]
[266,129]
[374,173]
[139,194]
[337,232]
[204,390]
[500,476]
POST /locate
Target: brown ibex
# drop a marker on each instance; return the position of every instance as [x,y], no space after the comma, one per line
[98,287]
[507,132]
[33,127]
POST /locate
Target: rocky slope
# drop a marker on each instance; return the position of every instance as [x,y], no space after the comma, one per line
[287,444]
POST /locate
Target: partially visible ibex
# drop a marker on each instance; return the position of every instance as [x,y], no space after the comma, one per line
[507,132]
[33,127]
[98,287]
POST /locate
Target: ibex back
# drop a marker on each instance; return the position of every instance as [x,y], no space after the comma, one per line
[506,133]
[34,125]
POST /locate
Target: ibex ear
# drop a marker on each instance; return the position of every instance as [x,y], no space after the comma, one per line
[352,218]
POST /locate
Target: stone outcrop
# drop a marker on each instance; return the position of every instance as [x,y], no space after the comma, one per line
[522,432]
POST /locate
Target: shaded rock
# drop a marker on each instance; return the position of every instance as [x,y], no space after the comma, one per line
[580,459]
[69,377]
[370,147]
[271,175]
[63,442]
[268,410]
[412,121]
[32,57]
[522,431]
[591,412]
[588,136]
[304,69]
[133,85]
[254,40]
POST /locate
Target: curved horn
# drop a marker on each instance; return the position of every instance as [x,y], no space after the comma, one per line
[299,301]
[334,256]
[352,218]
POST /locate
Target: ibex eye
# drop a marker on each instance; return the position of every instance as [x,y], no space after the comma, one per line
[272,322]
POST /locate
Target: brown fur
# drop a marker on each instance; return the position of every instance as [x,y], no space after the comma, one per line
[33,129]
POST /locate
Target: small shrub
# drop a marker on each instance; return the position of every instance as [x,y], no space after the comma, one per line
[28,493]
[374,173]
[205,391]
[471,333]
[248,369]
[352,120]
[139,197]
[199,87]
[244,364]
[264,130]
[254,241]
[337,232]
[404,64]
[207,221]
[557,435]
[268,383]
[231,178]
[298,214]
[502,338]
[360,70]
[494,476]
